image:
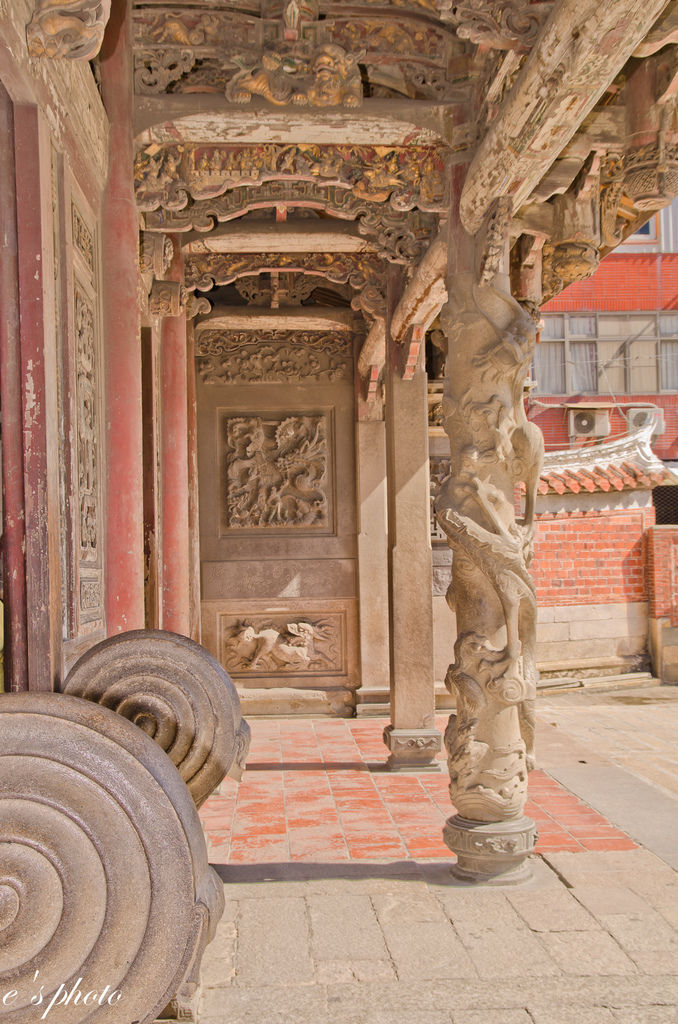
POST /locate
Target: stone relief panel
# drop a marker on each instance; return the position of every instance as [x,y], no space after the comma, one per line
[276,473]
[83,367]
[87,426]
[261,645]
[280,357]
[83,239]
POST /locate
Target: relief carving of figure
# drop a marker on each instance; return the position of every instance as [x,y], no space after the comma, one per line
[325,77]
[276,472]
[289,647]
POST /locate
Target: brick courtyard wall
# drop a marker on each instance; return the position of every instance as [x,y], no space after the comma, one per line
[591,557]
[662,559]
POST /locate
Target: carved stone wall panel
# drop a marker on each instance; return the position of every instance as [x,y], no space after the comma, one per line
[83,424]
[279,357]
[304,652]
[297,640]
[404,176]
[308,644]
[277,473]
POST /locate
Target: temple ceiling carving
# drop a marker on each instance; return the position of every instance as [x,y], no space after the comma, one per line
[295,53]
[404,176]
[562,111]
[403,234]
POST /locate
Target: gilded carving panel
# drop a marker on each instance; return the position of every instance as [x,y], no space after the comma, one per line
[405,176]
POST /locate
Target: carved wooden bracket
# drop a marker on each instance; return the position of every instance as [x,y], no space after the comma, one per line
[167,298]
[67,28]
[325,77]
[509,25]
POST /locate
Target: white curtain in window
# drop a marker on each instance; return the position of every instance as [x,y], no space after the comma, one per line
[583,326]
[668,325]
[583,367]
[549,368]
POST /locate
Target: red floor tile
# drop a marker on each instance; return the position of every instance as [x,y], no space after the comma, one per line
[309,794]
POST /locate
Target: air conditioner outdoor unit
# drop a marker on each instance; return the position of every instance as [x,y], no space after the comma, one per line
[589,422]
[638,418]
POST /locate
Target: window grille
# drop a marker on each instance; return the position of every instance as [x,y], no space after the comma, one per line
[665,501]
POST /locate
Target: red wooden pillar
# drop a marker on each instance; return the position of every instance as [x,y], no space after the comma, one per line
[122,351]
[13,524]
[174,535]
[195,624]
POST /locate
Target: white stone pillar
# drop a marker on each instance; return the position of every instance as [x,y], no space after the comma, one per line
[411,737]
[372,565]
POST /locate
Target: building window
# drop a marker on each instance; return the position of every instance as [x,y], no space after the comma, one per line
[583,367]
[607,354]
[549,368]
[669,365]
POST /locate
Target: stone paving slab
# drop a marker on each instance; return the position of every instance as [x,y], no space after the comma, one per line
[321,929]
[370,944]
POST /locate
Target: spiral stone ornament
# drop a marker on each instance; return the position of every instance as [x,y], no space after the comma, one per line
[106,897]
[177,693]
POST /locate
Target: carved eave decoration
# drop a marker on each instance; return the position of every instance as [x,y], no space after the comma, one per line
[573,200]
[67,28]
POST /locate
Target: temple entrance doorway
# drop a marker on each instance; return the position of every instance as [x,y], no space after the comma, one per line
[276,452]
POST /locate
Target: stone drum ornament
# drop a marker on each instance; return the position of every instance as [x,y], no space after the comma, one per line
[175,691]
[106,897]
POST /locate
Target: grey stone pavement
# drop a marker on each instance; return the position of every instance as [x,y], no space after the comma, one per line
[591,939]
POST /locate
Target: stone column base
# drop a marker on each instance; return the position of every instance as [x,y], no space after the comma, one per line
[413,750]
[494,853]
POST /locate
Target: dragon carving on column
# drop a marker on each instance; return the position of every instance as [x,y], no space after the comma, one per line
[493,449]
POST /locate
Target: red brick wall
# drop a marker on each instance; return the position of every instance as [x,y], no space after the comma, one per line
[662,557]
[553,422]
[624,281]
[596,557]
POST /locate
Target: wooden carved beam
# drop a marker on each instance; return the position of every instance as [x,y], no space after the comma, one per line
[581,49]
[508,25]
[405,176]
[207,270]
[403,234]
[67,28]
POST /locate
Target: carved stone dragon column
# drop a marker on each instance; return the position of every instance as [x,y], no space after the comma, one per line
[493,448]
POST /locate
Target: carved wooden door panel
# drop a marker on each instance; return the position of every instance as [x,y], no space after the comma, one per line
[278,518]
